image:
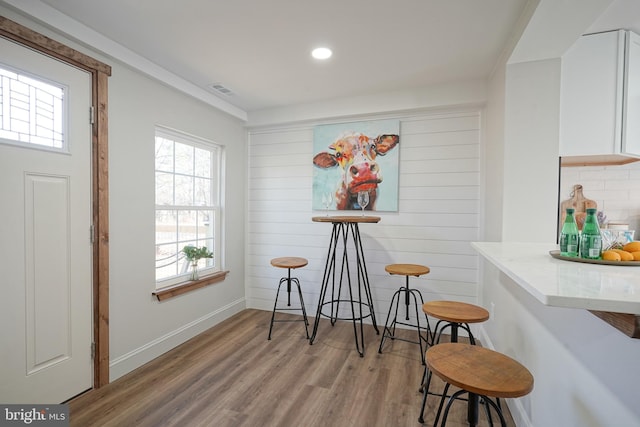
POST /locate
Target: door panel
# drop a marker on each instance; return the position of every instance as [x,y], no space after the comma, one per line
[47,271]
[45,249]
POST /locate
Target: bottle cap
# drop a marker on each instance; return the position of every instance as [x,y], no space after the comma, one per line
[591,210]
[570,210]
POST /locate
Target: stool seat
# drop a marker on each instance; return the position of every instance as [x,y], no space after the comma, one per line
[479,370]
[455,311]
[289,262]
[407,269]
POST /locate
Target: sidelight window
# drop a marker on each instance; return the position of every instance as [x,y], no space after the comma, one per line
[32,111]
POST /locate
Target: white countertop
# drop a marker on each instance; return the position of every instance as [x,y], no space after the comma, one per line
[562,283]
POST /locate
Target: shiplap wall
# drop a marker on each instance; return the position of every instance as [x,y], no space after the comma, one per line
[438,213]
[616,189]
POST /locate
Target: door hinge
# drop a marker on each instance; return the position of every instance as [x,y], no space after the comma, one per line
[93,350]
[92,115]
[92,233]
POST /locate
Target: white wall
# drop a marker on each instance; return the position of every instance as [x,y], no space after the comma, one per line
[447,95]
[438,210]
[493,158]
[531,151]
[141,328]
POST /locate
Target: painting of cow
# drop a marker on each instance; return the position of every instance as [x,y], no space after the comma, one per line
[351,162]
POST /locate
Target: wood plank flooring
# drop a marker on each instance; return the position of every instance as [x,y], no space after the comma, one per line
[231,375]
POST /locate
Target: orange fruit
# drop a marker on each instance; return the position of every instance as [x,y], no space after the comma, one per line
[624,255]
[611,255]
[632,246]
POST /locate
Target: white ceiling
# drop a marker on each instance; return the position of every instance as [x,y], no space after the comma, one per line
[260,49]
[620,14]
[556,25]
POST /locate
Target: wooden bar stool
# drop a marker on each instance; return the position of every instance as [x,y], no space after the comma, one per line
[289,263]
[454,315]
[390,329]
[479,372]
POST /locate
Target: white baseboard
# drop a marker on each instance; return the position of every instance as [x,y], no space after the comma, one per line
[519,415]
[263,305]
[134,359]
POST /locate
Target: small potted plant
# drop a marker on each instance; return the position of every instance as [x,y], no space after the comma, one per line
[193,255]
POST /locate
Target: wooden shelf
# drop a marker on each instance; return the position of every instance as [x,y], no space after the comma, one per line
[629,324]
[181,288]
[599,160]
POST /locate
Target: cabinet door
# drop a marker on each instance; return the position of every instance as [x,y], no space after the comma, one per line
[631,123]
[591,95]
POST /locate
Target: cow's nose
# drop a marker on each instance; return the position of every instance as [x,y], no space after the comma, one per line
[371,168]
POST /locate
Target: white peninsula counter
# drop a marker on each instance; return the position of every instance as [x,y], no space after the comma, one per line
[603,289]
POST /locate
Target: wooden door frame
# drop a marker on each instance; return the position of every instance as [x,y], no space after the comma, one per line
[100,73]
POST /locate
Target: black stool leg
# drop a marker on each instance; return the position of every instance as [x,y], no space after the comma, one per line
[425,388]
[275,304]
[288,280]
[495,406]
[413,293]
[442,398]
[487,410]
[390,328]
[304,310]
[472,408]
[452,399]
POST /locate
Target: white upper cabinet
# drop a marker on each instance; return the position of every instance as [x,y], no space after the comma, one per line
[600,98]
[631,110]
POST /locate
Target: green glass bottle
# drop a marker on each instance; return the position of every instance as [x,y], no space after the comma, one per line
[591,240]
[569,235]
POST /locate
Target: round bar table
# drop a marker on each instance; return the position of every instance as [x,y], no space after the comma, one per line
[337,268]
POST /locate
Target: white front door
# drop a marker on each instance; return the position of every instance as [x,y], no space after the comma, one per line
[45,247]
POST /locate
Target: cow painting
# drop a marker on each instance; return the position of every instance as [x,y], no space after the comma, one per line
[354,154]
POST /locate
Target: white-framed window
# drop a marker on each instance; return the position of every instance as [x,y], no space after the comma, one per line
[32,111]
[188,175]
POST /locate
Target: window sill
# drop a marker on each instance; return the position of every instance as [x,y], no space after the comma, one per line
[184,287]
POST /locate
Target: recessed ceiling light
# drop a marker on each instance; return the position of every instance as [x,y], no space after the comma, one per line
[321,53]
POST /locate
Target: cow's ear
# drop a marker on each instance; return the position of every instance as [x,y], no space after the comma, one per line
[385,143]
[325,160]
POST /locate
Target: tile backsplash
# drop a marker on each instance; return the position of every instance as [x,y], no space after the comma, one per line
[616,189]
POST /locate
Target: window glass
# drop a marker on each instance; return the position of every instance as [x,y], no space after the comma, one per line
[164,154]
[203,163]
[32,111]
[187,204]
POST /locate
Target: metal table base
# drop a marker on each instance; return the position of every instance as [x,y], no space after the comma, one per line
[338,267]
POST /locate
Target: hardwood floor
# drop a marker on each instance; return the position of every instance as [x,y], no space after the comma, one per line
[230,375]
